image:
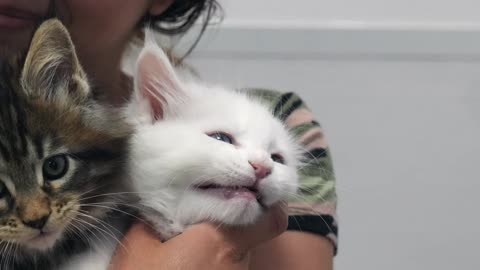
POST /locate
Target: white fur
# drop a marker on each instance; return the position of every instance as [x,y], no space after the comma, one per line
[171,152]
[97,258]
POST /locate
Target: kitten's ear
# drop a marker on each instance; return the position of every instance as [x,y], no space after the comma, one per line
[52,70]
[155,79]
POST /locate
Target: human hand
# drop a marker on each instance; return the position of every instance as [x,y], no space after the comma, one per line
[202,246]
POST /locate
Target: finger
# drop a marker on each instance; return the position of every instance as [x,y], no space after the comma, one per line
[139,244]
[141,234]
[273,223]
[237,241]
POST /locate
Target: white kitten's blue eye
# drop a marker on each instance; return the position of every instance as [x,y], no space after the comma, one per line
[55,167]
[221,136]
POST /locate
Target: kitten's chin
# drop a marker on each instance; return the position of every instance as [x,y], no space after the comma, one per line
[230,207]
[43,241]
[249,194]
[238,212]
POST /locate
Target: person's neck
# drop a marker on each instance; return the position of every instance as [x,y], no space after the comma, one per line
[111,85]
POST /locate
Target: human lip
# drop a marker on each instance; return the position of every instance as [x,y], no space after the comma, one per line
[13,18]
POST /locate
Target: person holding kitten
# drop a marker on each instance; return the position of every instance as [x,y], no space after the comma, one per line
[101,31]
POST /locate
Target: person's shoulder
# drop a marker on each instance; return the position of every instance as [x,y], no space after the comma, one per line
[314,209]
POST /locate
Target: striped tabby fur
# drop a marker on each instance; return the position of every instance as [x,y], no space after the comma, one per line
[48,118]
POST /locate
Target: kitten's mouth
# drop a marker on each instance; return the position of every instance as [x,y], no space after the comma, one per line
[42,235]
[230,192]
[44,240]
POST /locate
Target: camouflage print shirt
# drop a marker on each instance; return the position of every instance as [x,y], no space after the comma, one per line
[314,210]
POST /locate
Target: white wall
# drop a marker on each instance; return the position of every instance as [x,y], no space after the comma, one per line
[366,11]
[401,110]
[404,137]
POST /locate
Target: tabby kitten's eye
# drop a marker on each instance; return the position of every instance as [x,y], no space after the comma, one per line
[278,158]
[221,136]
[55,167]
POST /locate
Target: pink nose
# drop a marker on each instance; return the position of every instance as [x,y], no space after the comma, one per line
[261,171]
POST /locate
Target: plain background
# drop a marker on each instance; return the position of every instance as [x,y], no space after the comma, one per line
[414,12]
[404,125]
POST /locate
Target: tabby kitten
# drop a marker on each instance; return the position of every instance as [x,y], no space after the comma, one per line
[61,158]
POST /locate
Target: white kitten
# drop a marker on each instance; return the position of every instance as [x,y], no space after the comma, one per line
[204,153]
[199,154]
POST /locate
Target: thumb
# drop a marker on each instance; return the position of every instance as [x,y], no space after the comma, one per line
[272,223]
[234,243]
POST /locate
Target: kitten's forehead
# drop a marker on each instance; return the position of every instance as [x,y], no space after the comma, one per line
[223,106]
[249,121]
[18,140]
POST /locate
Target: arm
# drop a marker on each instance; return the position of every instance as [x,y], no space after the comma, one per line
[202,246]
[310,241]
[294,250]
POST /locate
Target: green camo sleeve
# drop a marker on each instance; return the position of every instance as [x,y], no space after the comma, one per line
[315,209]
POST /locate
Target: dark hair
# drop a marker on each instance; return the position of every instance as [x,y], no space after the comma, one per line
[177,19]
[181,16]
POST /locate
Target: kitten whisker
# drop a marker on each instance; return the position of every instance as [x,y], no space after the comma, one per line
[91,228]
[86,215]
[88,191]
[117,194]
[15,253]
[5,253]
[112,208]
[9,250]
[71,228]
[107,230]
[4,244]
